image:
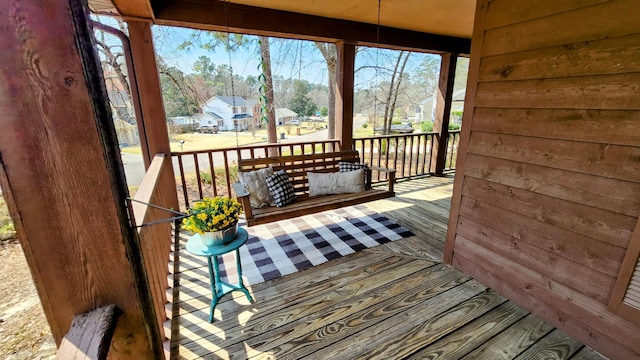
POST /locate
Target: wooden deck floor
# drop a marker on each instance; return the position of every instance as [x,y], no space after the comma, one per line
[392,301]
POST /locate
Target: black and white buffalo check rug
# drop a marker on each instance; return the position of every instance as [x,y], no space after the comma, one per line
[284,247]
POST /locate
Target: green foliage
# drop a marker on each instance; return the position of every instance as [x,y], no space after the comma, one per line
[384,145]
[396,122]
[301,103]
[457,113]
[454,127]
[365,125]
[205,178]
[324,111]
[426,126]
[7,230]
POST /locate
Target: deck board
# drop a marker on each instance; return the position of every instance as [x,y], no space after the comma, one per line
[396,300]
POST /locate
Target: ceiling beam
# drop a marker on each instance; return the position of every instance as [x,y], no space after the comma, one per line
[212,15]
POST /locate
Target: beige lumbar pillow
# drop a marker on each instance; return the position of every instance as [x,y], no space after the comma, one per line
[335,183]
[256,184]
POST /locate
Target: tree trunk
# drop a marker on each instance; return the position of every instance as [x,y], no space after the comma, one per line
[397,90]
[268,83]
[329,52]
[386,125]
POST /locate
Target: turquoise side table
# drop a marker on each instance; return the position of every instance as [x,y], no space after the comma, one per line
[220,288]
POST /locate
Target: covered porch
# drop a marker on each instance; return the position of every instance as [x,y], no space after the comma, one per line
[396,300]
[544,207]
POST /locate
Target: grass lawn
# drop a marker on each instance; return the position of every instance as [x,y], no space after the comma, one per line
[225,139]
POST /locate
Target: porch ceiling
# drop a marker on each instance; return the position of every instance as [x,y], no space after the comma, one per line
[442,17]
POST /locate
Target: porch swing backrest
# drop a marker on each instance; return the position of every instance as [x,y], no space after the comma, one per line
[297,167]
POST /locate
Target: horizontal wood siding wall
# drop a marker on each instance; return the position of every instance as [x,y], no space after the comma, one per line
[547,193]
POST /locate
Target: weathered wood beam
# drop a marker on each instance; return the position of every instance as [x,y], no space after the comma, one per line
[225,16]
[346,55]
[90,335]
[62,175]
[443,112]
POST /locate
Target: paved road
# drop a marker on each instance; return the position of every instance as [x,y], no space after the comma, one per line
[134,166]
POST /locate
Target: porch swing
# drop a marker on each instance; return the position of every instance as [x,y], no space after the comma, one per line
[306,184]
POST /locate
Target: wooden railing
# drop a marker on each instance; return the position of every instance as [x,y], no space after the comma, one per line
[408,154]
[155,237]
[452,150]
[208,173]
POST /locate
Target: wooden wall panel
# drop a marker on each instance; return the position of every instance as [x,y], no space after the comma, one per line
[547,190]
[600,57]
[601,21]
[605,160]
[614,127]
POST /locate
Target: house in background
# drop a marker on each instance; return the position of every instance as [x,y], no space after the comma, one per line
[183,124]
[228,112]
[284,115]
[426,110]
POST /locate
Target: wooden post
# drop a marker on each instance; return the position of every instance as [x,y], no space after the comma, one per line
[344,94]
[153,130]
[443,112]
[62,177]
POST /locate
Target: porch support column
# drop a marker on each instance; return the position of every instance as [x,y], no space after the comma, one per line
[346,54]
[154,136]
[62,177]
[443,112]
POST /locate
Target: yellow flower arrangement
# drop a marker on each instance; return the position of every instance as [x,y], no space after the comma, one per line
[212,214]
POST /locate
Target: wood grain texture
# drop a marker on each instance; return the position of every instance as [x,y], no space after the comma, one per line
[584,189]
[55,128]
[615,127]
[90,335]
[345,67]
[556,345]
[600,21]
[348,303]
[512,12]
[604,160]
[511,342]
[594,223]
[443,99]
[600,57]
[608,92]
[461,341]
[520,284]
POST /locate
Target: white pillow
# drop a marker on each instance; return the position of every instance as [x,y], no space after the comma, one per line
[335,183]
[256,184]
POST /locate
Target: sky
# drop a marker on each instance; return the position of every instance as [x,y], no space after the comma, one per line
[295,59]
[286,59]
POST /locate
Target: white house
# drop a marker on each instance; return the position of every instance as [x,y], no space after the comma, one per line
[427,108]
[284,115]
[228,112]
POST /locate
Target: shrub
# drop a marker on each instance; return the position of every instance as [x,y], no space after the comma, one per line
[205,177]
[365,125]
[454,127]
[426,126]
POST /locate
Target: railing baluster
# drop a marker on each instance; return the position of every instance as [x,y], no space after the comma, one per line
[198,179]
[411,155]
[213,174]
[184,182]
[226,171]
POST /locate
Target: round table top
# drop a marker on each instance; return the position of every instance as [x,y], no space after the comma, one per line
[196,247]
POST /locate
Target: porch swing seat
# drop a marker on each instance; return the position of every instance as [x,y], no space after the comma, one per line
[297,167]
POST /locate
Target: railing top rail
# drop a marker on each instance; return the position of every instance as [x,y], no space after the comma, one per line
[249,147]
[147,188]
[396,135]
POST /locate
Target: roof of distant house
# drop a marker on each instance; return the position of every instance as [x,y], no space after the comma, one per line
[284,112]
[234,100]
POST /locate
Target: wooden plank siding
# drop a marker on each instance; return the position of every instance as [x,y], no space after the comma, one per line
[392,301]
[547,192]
